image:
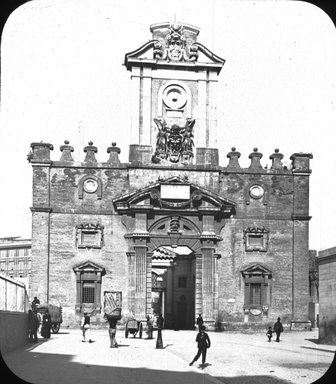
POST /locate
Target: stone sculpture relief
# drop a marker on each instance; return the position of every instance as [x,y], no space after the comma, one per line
[176,49]
[174,143]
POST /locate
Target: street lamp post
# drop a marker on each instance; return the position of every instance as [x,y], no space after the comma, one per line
[159,343]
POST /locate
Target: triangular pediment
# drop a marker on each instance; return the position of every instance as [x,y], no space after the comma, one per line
[256,269]
[89,266]
[174,194]
[146,52]
[174,44]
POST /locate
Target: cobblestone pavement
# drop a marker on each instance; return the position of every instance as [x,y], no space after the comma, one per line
[233,358]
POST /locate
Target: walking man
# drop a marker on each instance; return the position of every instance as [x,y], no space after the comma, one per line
[85,325]
[203,343]
[199,322]
[278,328]
[112,331]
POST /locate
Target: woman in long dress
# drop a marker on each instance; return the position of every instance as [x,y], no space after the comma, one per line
[46,325]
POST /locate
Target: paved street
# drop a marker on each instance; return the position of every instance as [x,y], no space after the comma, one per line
[233,358]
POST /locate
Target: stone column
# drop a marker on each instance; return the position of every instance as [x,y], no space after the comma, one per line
[140,281]
[149,282]
[98,293]
[131,282]
[78,292]
[208,283]
[169,297]
[198,285]
[216,257]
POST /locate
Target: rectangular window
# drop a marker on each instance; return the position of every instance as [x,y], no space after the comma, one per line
[256,241]
[89,239]
[89,236]
[255,294]
[88,294]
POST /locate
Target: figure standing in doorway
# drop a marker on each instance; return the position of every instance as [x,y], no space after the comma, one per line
[199,322]
[203,343]
[278,328]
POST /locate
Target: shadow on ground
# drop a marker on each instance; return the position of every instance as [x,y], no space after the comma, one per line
[42,368]
[262,379]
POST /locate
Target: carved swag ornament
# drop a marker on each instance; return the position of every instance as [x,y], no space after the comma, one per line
[176,49]
[174,143]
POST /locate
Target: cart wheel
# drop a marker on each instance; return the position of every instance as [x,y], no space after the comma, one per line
[140,331]
[126,332]
[55,327]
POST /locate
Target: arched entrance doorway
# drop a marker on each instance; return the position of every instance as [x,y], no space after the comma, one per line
[173,286]
[177,215]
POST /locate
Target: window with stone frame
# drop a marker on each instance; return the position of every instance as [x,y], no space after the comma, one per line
[88,292]
[256,239]
[89,235]
[88,287]
[257,281]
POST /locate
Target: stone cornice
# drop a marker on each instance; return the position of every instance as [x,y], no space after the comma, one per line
[301,217]
[41,209]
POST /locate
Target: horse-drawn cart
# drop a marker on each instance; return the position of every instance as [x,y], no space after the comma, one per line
[133,327]
[55,314]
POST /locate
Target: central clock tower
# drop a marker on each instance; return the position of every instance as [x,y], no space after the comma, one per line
[173,103]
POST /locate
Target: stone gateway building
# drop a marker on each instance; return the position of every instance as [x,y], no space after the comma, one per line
[172,231]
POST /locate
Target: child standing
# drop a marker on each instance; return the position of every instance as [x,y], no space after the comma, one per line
[269,333]
[85,326]
[203,343]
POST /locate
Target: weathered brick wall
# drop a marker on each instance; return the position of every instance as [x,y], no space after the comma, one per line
[40,255]
[56,200]
[327,296]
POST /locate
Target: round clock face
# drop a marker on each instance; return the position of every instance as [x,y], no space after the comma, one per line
[256,191]
[90,185]
[174,97]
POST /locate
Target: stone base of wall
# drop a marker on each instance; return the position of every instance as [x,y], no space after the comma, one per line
[13,330]
[300,325]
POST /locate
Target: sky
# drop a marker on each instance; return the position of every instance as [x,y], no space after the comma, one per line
[62,77]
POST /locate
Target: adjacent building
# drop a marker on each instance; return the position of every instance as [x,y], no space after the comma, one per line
[172,230]
[327,296]
[15,259]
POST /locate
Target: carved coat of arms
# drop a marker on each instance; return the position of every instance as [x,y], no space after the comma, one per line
[174,143]
[176,49]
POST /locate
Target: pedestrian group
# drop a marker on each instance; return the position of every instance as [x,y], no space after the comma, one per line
[37,320]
